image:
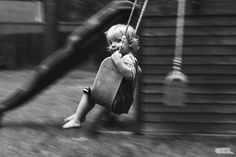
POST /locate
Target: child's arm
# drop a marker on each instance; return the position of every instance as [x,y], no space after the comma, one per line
[125,70]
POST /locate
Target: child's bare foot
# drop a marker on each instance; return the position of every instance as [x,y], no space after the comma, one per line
[72,124]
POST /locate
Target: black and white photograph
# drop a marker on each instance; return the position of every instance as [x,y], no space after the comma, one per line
[117,78]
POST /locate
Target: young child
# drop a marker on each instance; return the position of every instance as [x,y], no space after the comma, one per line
[123,43]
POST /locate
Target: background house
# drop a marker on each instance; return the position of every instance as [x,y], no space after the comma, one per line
[209,61]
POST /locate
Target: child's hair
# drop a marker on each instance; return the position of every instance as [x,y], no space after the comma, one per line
[119,30]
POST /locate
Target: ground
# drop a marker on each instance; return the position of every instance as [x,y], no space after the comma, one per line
[35,129]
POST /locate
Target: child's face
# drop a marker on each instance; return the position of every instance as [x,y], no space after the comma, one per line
[119,41]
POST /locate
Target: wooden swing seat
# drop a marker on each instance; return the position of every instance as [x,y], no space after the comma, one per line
[106,83]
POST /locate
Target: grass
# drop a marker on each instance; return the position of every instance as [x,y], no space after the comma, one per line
[35,129]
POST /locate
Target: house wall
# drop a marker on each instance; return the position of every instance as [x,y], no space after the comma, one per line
[209,61]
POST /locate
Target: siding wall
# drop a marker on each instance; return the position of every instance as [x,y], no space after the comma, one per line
[209,61]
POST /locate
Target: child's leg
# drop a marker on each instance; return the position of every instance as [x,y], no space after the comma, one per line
[83,108]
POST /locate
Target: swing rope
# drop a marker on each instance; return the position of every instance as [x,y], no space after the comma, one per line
[130,16]
[176,80]
[177,62]
[140,16]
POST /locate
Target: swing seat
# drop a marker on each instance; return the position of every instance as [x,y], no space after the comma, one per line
[106,83]
[175,86]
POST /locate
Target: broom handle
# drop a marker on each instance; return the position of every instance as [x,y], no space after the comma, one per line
[179,35]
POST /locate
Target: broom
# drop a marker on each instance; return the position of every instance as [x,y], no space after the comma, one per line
[175,82]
